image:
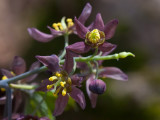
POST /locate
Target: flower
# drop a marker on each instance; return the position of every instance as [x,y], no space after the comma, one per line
[60,28]
[97,86]
[61,84]
[94,36]
[93,85]
[18,67]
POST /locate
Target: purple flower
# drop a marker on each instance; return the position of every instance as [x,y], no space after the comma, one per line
[94,37]
[97,86]
[60,28]
[61,84]
[18,67]
[93,86]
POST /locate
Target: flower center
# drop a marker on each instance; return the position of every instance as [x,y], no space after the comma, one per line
[62,83]
[61,26]
[95,38]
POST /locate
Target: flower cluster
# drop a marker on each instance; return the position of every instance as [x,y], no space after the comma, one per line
[64,81]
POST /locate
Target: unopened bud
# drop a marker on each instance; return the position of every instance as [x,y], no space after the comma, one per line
[97,86]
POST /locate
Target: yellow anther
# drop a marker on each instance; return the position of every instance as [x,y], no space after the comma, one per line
[52,78]
[60,26]
[4,77]
[62,83]
[58,74]
[57,91]
[13,73]
[94,36]
[70,22]
[49,86]
[2,89]
[55,26]
[69,81]
[64,91]
[55,95]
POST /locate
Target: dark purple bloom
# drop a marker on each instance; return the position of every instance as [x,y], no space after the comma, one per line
[94,37]
[93,86]
[61,84]
[60,28]
[97,86]
[18,67]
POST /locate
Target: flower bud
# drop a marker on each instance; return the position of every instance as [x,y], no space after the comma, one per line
[97,86]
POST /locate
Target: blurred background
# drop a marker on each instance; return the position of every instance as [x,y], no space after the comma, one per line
[138,32]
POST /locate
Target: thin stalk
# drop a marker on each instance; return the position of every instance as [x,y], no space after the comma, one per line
[66,37]
[77,59]
[97,68]
[22,86]
[9,103]
[24,75]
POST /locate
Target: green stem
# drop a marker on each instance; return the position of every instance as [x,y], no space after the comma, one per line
[22,86]
[97,68]
[77,59]
[66,37]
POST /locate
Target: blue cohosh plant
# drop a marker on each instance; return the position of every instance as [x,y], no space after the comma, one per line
[64,82]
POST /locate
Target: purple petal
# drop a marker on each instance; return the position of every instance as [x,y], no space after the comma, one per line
[60,104]
[97,86]
[110,28]
[85,13]
[43,85]
[114,73]
[90,27]
[81,29]
[52,62]
[40,36]
[79,47]
[107,47]
[98,23]
[68,64]
[18,99]
[3,100]
[76,80]
[92,96]
[71,51]
[78,96]
[6,73]
[34,66]
[18,65]
[82,66]
[54,32]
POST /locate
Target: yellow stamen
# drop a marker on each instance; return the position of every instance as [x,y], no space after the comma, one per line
[13,73]
[94,36]
[49,86]
[55,95]
[4,77]
[57,91]
[55,26]
[52,78]
[58,74]
[64,91]
[69,81]
[60,26]
[2,89]
[70,22]
[62,83]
